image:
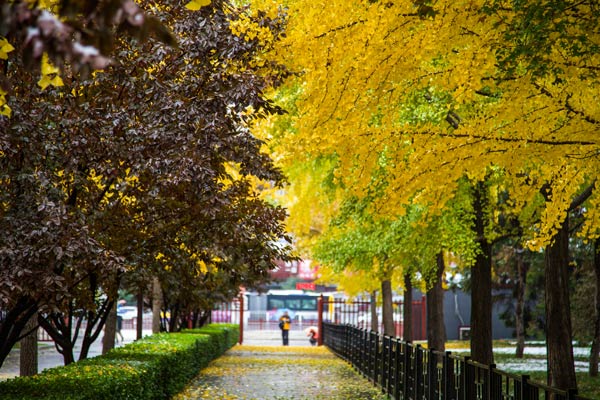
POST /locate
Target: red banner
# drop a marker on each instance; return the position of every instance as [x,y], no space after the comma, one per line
[305,286]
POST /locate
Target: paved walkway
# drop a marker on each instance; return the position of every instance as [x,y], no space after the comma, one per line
[278,373]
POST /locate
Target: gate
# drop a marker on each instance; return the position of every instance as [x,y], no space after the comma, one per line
[230,313]
[328,310]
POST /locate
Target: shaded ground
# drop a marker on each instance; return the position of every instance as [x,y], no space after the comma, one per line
[277,373]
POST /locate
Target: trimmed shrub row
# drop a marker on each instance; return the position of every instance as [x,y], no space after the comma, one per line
[153,368]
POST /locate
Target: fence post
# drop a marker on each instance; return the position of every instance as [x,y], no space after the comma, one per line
[375,348]
[468,379]
[362,345]
[353,347]
[460,379]
[347,333]
[423,318]
[448,374]
[241,318]
[432,374]
[382,361]
[406,390]
[320,320]
[418,372]
[492,384]
[397,364]
[390,368]
[525,388]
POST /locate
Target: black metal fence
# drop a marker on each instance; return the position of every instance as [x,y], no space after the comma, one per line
[407,371]
[358,314]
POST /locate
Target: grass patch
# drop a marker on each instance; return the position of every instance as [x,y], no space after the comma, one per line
[531,364]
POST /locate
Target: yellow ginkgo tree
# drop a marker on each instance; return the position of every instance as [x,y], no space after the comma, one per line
[446,90]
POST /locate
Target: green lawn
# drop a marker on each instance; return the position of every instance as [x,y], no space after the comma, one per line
[531,364]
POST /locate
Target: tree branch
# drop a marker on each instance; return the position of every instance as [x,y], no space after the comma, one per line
[577,201]
[516,140]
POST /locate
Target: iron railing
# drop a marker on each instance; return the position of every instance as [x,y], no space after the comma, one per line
[408,371]
[358,314]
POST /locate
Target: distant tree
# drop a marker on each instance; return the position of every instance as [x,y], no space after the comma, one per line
[595,348]
[585,299]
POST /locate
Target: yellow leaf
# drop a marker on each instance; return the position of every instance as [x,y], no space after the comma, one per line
[5,110]
[202,265]
[56,81]
[49,74]
[195,5]
[47,67]
[5,48]
[44,82]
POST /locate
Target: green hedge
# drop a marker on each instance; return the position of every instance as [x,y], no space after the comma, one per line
[155,367]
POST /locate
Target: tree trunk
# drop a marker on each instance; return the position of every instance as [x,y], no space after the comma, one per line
[387,312]
[173,319]
[13,325]
[374,318]
[481,287]
[28,356]
[140,314]
[156,305]
[522,268]
[561,366]
[110,330]
[195,319]
[203,318]
[436,331]
[407,314]
[60,328]
[95,325]
[596,340]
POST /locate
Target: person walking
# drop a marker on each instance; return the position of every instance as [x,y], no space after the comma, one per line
[284,324]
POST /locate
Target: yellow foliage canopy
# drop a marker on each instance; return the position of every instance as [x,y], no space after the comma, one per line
[425,89]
